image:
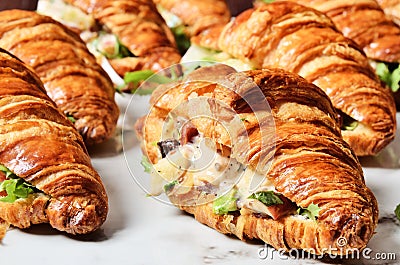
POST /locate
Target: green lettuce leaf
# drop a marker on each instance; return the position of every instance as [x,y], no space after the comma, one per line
[111,47]
[137,76]
[71,117]
[397,212]
[395,80]
[146,164]
[267,197]
[169,186]
[144,82]
[14,186]
[348,123]
[311,212]
[134,79]
[182,41]
[351,126]
[390,77]
[6,171]
[226,203]
[123,51]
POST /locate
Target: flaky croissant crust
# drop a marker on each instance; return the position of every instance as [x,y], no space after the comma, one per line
[311,162]
[40,145]
[71,76]
[304,41]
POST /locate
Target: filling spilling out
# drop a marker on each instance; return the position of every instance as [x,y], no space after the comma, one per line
[100,40]
[13,187]
[192,172]
[102,43]
[389,73]
[105,45]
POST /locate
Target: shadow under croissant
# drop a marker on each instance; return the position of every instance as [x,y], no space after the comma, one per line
[47,230]
[215,253]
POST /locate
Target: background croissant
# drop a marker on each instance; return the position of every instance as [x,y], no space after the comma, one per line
[304,41]
[41,146]
[139,27]
[391,9]
[365,23]
[311,162]
[71,75]
[202,20]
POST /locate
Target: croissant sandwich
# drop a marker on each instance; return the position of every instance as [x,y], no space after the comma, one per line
[130,34]
[304,41]
[365,22]
[258,154]
[45,171]
[200,21]
[70,73]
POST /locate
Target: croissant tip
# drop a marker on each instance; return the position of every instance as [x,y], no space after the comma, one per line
[354,231]
[77,217]
[87,221]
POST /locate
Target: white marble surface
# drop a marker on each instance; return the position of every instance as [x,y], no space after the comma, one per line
[144,230]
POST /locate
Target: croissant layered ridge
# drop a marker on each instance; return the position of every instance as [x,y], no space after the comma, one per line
[41,146]
[365,22]
[305,41]
[71,75]
[139,27]
[308,161]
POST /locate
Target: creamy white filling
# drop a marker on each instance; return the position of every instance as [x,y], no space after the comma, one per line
[197,163]
[66,14]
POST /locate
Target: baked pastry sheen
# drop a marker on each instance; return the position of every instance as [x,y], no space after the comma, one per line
[365,22]
[40,145]
[311,162]
[71,76]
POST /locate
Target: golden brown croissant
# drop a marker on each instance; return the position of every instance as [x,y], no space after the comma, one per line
[391,9]
[296,149]
[71,76]
[139,27]
[364,22]
[304,41]
[43,152]
[203,20]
